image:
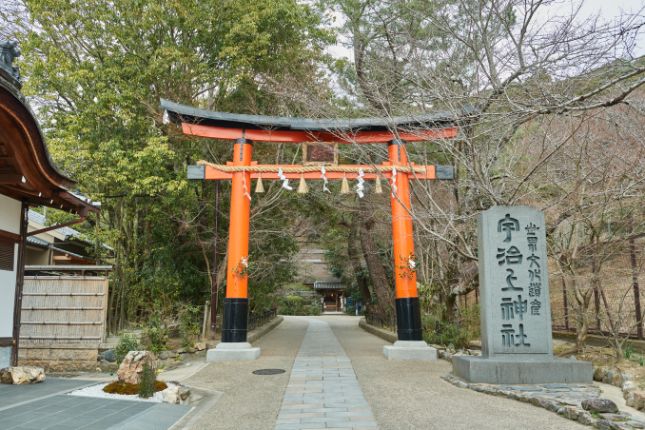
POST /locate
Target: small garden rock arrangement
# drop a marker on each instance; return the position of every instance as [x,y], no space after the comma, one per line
[633,393]
[577,402]
[137,381]
[18,375]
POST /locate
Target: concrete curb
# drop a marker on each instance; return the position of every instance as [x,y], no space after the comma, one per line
[266,328]
[378,332]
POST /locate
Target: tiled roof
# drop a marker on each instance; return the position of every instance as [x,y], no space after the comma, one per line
[328,285]
[42,220]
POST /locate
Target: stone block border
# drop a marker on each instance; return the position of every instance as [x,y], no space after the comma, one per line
[263,330]
[377,331]
[563,399]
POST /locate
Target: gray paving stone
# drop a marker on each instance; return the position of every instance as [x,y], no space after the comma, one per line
[323,391]
[46,410]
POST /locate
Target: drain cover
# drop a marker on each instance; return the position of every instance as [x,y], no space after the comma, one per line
[268,371]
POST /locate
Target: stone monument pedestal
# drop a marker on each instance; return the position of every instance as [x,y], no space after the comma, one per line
[517,370]
[515,305]
[233,351]
[410,350]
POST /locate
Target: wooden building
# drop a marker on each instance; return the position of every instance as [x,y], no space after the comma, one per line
[60,246]
[28,177]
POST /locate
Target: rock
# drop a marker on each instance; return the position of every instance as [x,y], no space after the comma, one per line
[629,386]
[200,346]
[165,355]
[600,406]
[131,368]
[635,399]
[618,379]
[109,355]
[175,394]
[22,375]
[599,374]
[585,418]
[636,424]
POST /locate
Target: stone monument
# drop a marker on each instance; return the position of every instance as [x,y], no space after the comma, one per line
[514,305]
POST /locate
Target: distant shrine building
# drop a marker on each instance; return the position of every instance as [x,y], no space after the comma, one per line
[313,272]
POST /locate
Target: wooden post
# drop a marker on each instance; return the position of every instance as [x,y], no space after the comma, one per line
[20,280]
[596,301]
[408,314]
[236,303]
[205,321]
[565,303]
[637,294]
[214,266]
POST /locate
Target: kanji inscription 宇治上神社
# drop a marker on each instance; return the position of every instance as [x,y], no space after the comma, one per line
[514,288]
[514,305]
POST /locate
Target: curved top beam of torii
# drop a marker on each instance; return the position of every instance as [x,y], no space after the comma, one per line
[262,128]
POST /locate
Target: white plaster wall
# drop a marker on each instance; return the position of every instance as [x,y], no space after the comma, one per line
[7,295]
[9,214]
[9,221]
[5,356]
[37,256]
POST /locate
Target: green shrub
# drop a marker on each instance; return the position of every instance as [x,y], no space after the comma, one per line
[189,324]
[291,305]
[296,305]
[313,309]
[628,351]
[127,343]
[456,334]
[156,335]
[147,383]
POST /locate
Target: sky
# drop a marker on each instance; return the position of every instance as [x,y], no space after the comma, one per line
[608,10]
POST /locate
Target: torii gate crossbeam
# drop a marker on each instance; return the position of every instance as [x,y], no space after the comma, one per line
[241,128]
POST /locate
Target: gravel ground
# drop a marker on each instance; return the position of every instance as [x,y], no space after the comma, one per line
[244,400]
[411,395]
[402,395]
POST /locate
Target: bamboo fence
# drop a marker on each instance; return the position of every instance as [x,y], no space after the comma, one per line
[63,321]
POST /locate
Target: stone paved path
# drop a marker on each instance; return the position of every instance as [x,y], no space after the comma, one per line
[47,406]
[401,395]
[323,391]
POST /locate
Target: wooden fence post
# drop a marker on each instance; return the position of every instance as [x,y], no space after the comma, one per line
[637,294]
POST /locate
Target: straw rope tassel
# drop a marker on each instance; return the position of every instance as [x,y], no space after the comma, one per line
[259,186]
[344,188]
[302,186]
[378,188]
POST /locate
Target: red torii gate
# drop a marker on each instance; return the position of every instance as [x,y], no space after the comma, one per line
[246,129]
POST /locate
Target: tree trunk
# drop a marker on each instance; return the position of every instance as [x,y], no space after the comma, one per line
[378,275]
[583,300]
[355,260]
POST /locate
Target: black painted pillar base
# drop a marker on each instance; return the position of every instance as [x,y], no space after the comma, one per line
[236,314]
[408,319]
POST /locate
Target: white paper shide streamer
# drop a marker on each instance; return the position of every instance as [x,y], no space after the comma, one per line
[285,181]
[323,173]
[360,184]
[393,181]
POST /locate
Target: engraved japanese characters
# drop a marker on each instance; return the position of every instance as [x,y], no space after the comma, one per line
[514,281]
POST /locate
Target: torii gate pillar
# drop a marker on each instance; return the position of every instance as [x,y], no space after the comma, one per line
[410,344]
[236,304]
